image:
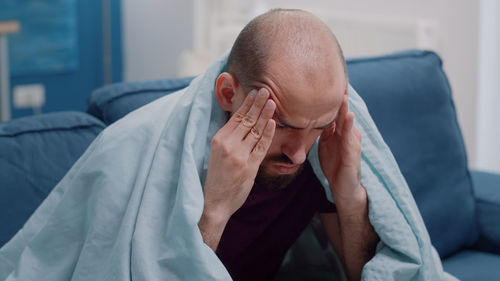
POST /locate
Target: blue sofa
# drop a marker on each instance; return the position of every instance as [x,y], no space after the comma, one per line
[409,98]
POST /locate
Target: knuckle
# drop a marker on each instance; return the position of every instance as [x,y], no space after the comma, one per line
[248,121]
[225,149]
[216,140]
[260,147]
[238,161]
[238,117]
[255,133]
[358,150]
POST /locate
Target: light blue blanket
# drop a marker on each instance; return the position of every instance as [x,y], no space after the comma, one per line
[129,208]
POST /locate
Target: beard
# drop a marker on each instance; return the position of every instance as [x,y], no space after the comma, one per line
[273,181]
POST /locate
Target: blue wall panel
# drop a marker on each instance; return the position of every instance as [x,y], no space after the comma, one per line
[47,42]
[68,90]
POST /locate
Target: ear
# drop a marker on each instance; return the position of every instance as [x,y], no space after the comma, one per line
[225,91]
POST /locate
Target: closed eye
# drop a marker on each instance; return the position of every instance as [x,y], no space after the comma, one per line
[281,126]
[333,123]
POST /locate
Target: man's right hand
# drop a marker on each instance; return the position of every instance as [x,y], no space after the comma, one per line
[237,151]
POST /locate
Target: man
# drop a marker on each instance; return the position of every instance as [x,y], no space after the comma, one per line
[285,86]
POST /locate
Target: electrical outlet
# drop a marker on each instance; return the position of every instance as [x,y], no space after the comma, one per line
[29,96]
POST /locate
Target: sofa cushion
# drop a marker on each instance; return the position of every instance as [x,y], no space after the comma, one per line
[410,100]
[473,266]
[112,102]
[35,153]
[486,188]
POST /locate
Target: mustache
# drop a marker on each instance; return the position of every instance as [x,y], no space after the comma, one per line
[281,158]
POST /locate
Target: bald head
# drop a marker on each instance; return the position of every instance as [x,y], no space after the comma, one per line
[295,39]
[294,57]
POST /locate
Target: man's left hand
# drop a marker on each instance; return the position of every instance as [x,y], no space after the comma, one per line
[340,158]
[349,231]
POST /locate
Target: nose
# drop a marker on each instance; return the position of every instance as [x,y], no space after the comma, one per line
[295,149]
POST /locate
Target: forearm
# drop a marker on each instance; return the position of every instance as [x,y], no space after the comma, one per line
[211,227]
[358,238]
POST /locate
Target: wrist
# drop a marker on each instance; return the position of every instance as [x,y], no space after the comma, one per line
[355,202]
[215,215]
[212,224]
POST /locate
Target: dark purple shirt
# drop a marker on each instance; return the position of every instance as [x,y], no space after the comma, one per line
[258,235]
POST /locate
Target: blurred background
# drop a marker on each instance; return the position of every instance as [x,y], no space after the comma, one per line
[53,53]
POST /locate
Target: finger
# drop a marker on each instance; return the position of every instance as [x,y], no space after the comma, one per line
[351,141]
[256,131]
[344,108]
[238,116]
[348,123]
[250,118]
[260,150]
[346,137]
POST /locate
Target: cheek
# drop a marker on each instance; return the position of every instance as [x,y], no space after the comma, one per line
[278,139]
[311,138]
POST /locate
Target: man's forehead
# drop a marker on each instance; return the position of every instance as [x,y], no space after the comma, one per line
[299,115]
[301,99]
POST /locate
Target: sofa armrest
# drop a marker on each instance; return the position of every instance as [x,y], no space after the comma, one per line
[487,195]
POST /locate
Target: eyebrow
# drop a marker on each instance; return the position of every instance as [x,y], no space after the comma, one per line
[283,123]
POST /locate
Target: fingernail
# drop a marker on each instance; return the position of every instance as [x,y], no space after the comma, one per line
[253,93]
[262,93]
[269,104]
[270,123]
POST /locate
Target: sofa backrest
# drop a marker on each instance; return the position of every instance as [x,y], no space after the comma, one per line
[35,153]
[410,100]
[114,101]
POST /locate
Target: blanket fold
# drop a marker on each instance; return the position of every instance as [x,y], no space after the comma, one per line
[129,207]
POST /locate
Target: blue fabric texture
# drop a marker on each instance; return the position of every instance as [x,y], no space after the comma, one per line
[487,193]
[112,102]
[428,147]
[129,208]
[35,153]
[473,266]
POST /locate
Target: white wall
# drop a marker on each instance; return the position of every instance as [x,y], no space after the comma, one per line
[154,34]
[488,126]
[458,20]
[156,31]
